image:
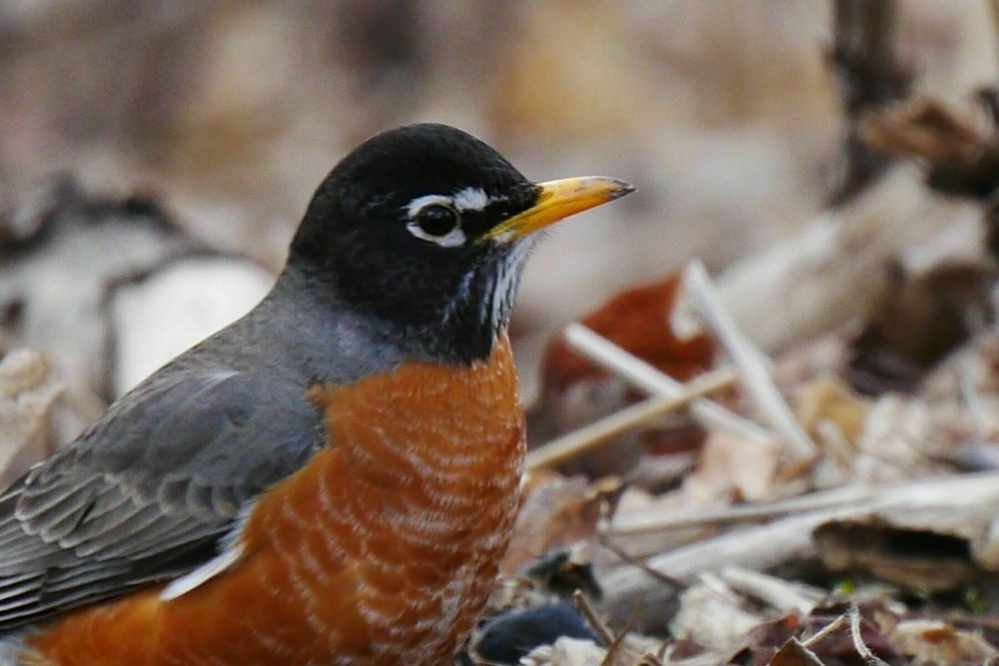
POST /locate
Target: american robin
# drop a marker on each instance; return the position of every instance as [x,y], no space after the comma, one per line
[332,478]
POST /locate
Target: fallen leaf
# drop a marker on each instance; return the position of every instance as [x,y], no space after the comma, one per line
[935,643]
[556,512]
[736,469]
[793,653]
[916,321]
[28,392]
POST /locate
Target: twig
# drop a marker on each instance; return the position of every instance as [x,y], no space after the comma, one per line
[753,512]
[827,630]
[585,438]
[810,656]
[588,612]
[776,592]
[647,377]
[649,659]
[615,645]
[626,557]
[973,401]
[790,538]
[749,360]
[858,640]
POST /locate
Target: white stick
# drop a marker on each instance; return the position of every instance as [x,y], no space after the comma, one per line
[744,513]
[647,377]
[789,538]
[776,592]
[581,440]
[749,360]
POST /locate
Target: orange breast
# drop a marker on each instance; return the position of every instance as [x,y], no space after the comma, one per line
[381,550]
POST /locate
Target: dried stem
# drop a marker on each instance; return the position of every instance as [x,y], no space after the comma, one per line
[582,440]
[858,640]
[638,563]
[750,513]
[647,377]
[827,630]
[775,592]
[588,612]
[749,360]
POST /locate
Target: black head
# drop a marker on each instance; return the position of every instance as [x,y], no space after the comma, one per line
[427,227]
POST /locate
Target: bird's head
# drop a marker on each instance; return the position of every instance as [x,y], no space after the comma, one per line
[429,228]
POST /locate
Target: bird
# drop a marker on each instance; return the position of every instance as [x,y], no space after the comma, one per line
[331,479]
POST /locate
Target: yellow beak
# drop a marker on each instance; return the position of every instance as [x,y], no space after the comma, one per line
[558,200]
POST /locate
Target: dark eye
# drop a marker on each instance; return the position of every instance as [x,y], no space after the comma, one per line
[437,220]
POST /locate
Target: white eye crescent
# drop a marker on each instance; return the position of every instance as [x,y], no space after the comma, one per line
[434,218]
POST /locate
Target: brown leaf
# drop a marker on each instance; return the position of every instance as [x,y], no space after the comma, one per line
[28,391]
[793,653]
[636,319]
[931,642]
[735,469]
[916,321]
[557,511]
[826,399]
[916,559]
[961,156]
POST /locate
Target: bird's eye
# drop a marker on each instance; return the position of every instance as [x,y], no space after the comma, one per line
[437,219]
[438,223]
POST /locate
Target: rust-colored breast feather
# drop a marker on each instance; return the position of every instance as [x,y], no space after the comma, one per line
[381,550]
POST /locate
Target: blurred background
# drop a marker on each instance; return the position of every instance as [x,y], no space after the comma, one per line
[724,113]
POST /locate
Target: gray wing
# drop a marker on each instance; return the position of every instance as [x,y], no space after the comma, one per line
[147,492]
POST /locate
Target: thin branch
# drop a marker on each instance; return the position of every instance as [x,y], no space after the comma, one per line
[858,640]
[627,558]
[973,402]
[649,659]
[780,594]
[586,438]
[647,377]
[615,645]
[827,630]
[749,360]
[749,513]
[590,614]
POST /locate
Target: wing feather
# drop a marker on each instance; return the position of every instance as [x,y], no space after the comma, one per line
[148,493]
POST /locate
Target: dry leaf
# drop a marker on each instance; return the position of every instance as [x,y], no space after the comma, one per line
[793,653]
[734,468]
[557,511]
[712,617]
[916,321]
[27,393]
[567,652]
[934,643]
[938,541]
[636,320]
[826,398]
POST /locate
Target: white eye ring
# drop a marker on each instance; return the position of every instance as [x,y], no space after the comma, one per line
[453,238]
